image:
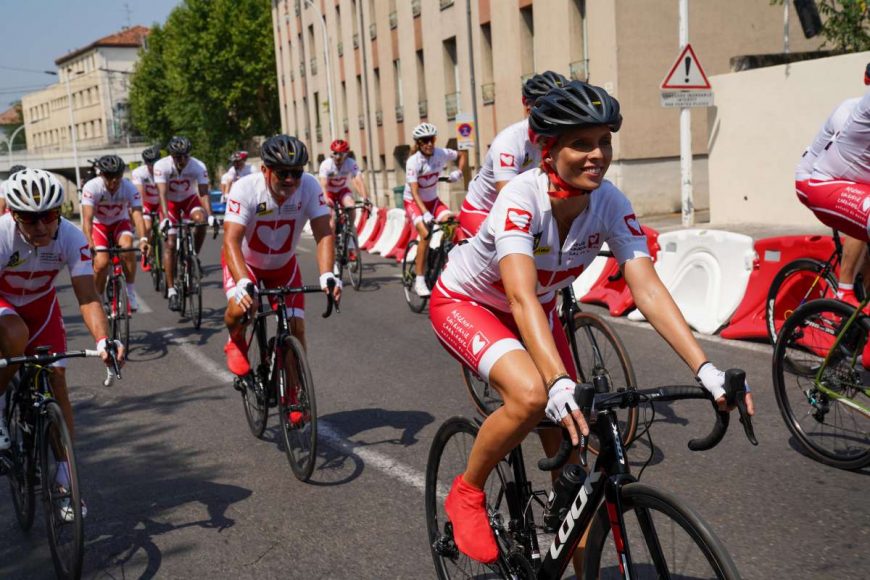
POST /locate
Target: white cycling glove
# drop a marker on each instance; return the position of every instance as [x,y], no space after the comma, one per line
[561,401]
[211,221]
[101,345]
[712,379]
[326,277]
[454,176]
[241,290]
[427,218]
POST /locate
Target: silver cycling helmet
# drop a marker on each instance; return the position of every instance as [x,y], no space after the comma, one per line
[33,190]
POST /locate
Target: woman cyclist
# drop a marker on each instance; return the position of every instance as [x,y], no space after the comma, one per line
[421,190]
[493,307]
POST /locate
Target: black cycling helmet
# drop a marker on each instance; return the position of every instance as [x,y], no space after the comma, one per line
[283,151]
[151,155]
[541,84]
[577,104]
[179,146]
[111,165]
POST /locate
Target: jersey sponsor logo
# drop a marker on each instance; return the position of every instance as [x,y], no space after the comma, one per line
[593,239]
[542,250]
[527,160]
[633,225]
[85,253]
[427,180]
[234,206]
[518,219]
[14,260]
[478,343]
[261,208]
[273,237]
[179,185]
[505,160]
[32,282]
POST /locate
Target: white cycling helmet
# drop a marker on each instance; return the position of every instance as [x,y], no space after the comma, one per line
[33,190]
[424,130]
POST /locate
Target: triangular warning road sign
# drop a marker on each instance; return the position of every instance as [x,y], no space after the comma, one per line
[686,74]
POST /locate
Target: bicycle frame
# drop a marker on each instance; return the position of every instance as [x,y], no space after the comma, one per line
[437,256]
[567,311]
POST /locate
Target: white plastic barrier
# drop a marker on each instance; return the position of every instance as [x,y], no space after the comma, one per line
[367,230]
[306,229]
[707,272]
[392,232]
[587,279]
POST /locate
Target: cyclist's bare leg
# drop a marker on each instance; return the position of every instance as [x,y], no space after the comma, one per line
[61,395]
[101,271]
[422,249]
[234,318]
[199,217]
[13,340]
[169,259]
[854,253]
[521,387]
[297,329]
[347,201]
[128,260]
[332,213]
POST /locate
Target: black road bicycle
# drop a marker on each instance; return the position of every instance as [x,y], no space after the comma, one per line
[188,271]
[154,259]
[440,243]
[41,448]
[634,530]
[597,351]
[272,384]
[347,251]
[117,301]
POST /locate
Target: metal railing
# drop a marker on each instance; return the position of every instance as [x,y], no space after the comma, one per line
[451,105]
[340,47]
[379,117]
[356,39]
[423,108]
[373,31]
[415,8]
[394,19]
[400,113]
[577,71]
[487,93]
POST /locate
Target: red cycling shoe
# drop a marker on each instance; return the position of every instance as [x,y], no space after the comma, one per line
[237,358]
[466,508]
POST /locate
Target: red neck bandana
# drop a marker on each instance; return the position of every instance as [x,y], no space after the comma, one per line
[564,190]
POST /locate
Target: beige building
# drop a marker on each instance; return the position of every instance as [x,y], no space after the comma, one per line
[96,79]
[395,63]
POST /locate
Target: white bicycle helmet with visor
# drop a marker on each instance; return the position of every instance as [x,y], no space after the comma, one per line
[33,190]
[424,130]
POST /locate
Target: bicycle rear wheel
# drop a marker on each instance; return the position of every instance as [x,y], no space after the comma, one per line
[600,352]
[298,410]
[155,263]
[61,495]
[182,285]
[666,539]
[354,266]
[22,476]
[448,458]
[830,417]
[194,290]
[120,326]
[409,274]
[254,395]
[795,284]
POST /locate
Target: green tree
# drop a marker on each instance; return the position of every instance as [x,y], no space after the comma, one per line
[216,77]
[845,24]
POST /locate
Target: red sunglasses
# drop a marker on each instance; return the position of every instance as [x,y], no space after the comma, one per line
[31,218]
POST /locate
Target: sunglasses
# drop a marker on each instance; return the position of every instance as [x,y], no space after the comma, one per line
[426,140]
[283,174]
[179,157]
[31,218]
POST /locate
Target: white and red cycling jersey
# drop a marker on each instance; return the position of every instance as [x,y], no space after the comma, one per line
[232,176]
[521,222]
[110,208]
[424,171]
[143,178]
[338,178]
[847,156]
[829,130]
[184,184]
[271,230]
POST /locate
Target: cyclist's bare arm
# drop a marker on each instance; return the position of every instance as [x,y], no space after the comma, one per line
[322,183]
[325,239]
[162,188]
[2,205]
[203,198]
[360,184]
[88,223]
[139,223]
[462,160]
[415,193]
[92,311]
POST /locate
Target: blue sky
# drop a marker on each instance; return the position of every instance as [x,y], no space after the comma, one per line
[33,33]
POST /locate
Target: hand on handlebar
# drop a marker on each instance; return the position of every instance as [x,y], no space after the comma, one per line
[454,176]
[243,293]
[562,408]
[335,288]
[712,379]
[112,354]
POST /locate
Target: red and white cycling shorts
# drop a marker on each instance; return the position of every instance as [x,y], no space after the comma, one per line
[179,210]
[478,336]
[470,219]
[840,204]
[337,197]
[150,210]
[44,323]
[107,235]
[436,207]
[289,275]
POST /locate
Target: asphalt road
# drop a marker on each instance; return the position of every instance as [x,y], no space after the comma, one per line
[177,487]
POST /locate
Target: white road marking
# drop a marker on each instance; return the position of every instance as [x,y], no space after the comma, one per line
[380,461]
[143,306]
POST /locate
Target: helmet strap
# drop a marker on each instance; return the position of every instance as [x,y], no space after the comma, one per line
[563,190]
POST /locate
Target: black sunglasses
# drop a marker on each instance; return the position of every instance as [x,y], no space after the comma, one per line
[283,174]
[31,218]
[426,140]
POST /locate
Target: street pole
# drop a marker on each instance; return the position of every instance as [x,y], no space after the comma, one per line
[326,63]
[73,133]
[367,123]
[686,134]
[473,88]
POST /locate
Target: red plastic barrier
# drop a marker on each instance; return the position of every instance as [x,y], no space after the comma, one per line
[749,321]
[615,294]
[400,253]
[379,229]
[402,241]
[362,220]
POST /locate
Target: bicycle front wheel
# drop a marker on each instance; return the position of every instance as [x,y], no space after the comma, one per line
[448,457]
[409,274]
[600,352]
[665,538]
[22,477]
[298,411]
[797,283]
[829,416]
[182,284]
[121,313]
[254,395]
[155,263]
[61,495]
[194,290]
[354,265]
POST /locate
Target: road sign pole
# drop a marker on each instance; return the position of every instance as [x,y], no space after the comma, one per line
[686,193]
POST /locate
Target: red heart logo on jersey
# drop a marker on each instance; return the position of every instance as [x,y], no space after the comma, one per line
[427,180]
[111,209]
[31,282]
[337,181]
[234,206]
[85,253]
[506,160]
[518,219]
[273,237]
[633,225]
[176,185]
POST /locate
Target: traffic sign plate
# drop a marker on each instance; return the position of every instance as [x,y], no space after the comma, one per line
[686,74]
[694,98]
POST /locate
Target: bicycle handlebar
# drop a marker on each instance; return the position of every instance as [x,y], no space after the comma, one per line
[46,358]
[591,402]
[309,289]
[436,226]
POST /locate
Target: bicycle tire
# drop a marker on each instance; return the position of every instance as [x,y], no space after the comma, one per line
[255,396]
[155,264]
[298,411]
[354,267]
[194,295]
[181,283]
[409,274]
[22,477]
[121,313]
[811,415]
[66,539]
[595,337]
[448,457]
[795,284]
[684,539]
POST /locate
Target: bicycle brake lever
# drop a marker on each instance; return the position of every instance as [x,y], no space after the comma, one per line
[584,445]
[735,394]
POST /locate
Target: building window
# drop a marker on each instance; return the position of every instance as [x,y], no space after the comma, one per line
[527,41]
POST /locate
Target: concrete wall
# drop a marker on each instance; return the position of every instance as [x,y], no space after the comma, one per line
[761,124]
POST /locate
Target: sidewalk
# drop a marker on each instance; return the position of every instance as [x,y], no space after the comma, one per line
[673,221]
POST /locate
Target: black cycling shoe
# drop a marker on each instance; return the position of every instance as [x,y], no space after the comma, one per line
[174,303]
